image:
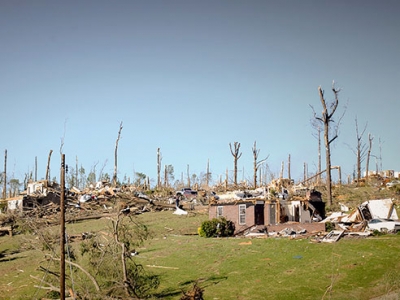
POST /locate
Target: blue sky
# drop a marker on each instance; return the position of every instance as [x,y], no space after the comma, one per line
[190,77]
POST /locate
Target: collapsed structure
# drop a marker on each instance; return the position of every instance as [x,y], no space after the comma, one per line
[261,210]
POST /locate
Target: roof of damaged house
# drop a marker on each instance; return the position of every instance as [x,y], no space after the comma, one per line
[262,194]
[237,197]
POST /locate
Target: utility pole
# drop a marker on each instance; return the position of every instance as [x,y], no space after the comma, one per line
[62,232]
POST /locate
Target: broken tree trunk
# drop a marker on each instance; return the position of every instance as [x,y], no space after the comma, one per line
[326,120]
[116,155]
[158,168]
[236,156]
[370,138]
[48,166]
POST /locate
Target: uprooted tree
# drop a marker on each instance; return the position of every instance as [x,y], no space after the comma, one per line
[330,132]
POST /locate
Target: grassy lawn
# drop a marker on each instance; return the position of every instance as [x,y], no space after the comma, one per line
[228,268]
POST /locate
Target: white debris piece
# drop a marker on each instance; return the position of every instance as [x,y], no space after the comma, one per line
[179,211]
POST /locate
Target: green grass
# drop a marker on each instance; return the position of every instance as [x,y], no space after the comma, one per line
[229,268]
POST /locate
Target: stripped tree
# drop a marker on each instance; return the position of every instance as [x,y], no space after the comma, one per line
[208,174]
[370,139]
[361,149]
[236,155]
[159,159]
[256,164]
[48,166]
[317,134]
[330,133]
[168,175]
[116,155]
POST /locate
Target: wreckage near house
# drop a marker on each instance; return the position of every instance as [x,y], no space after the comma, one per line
[41,199]
[358,218]
[259,210]
[38,193]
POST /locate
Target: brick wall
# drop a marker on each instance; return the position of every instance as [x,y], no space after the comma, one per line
[231,212]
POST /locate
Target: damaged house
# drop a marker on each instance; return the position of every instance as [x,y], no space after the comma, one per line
[255,210]
[38,193]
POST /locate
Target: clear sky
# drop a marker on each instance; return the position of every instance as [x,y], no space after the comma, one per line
[190,77]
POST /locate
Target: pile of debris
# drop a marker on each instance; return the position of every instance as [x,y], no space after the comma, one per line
[41,200]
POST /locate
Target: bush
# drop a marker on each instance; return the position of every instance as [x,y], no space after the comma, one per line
[220,227]
[329,226]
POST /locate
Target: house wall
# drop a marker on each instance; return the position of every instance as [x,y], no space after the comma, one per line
[231,212]
[270,216]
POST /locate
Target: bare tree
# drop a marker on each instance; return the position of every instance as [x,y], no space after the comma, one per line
[256,163]
[370,139]
[116,155]
[317,126]
[282,168]
[76,172]
[326,119]
[92,174]
[360,150]
[208,174]
[168,175]
[165,176]
[159,159]
[236,155]
[48,166]
[100,177]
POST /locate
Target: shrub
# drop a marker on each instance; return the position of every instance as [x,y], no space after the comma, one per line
[329,226]
[220,227]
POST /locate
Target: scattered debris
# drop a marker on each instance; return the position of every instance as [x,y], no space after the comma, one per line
[333,236]
[180,211]
[246,243]
[195,293]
